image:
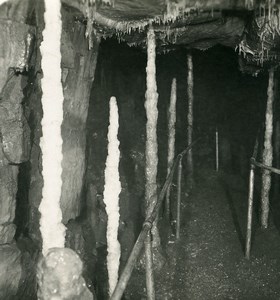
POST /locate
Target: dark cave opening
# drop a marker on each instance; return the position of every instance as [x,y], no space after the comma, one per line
[224,98]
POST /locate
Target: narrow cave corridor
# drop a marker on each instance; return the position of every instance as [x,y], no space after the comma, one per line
[215,211]
[89,138]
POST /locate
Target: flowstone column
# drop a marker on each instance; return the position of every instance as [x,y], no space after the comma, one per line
[78,69]
[268,151]
[190,119]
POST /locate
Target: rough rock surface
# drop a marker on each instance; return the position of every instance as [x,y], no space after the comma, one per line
[60,276]
[13,125]
[10,271]
[78,72]
[7,232]
[14,149]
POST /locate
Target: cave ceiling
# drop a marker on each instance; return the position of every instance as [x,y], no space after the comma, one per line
[251,27]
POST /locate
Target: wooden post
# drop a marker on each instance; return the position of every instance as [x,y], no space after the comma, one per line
[190,118]
[268,151]
[250,211]
[171,139]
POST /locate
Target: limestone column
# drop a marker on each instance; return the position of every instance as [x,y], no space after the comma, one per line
[78,69]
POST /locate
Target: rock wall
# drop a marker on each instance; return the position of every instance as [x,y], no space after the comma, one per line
[15,48]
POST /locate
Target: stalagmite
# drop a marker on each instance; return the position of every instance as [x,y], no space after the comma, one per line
[268,151]
[171,137]
[52,229]
[151,156]
[111,196]
[151,130]
[190,118]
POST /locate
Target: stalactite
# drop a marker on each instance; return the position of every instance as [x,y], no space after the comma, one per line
[249,4]
[52,230]
[111,196]
[90,8]
[171,136]
[190,117]
[268,151]
[151,130]
[175,9]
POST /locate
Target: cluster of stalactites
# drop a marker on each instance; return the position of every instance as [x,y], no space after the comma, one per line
[249,4]
[90,9]
[267,20]
[269,25]
[176,9]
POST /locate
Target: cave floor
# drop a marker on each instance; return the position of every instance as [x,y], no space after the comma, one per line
[208,262]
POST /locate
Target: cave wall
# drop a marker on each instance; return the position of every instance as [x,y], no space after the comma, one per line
[16,46]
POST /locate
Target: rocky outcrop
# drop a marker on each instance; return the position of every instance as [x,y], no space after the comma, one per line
[15,49]
[78,65]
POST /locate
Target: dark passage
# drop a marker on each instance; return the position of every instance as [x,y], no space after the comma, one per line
[208,262]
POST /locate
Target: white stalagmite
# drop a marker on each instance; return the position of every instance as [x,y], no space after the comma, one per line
[171,125]
[3,1]
[111,196]
[268,151]
[171,135]
[52,229]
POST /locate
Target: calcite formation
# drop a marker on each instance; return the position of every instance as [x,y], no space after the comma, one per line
[60,276]
[111,196]
[51,227]
[151,130]
[268,151]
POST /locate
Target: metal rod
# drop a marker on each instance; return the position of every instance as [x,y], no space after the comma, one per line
[250,211]
[149,268]
[179,192]
[217,150]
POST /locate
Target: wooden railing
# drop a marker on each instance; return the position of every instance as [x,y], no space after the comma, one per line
[147,226]
[253,165]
